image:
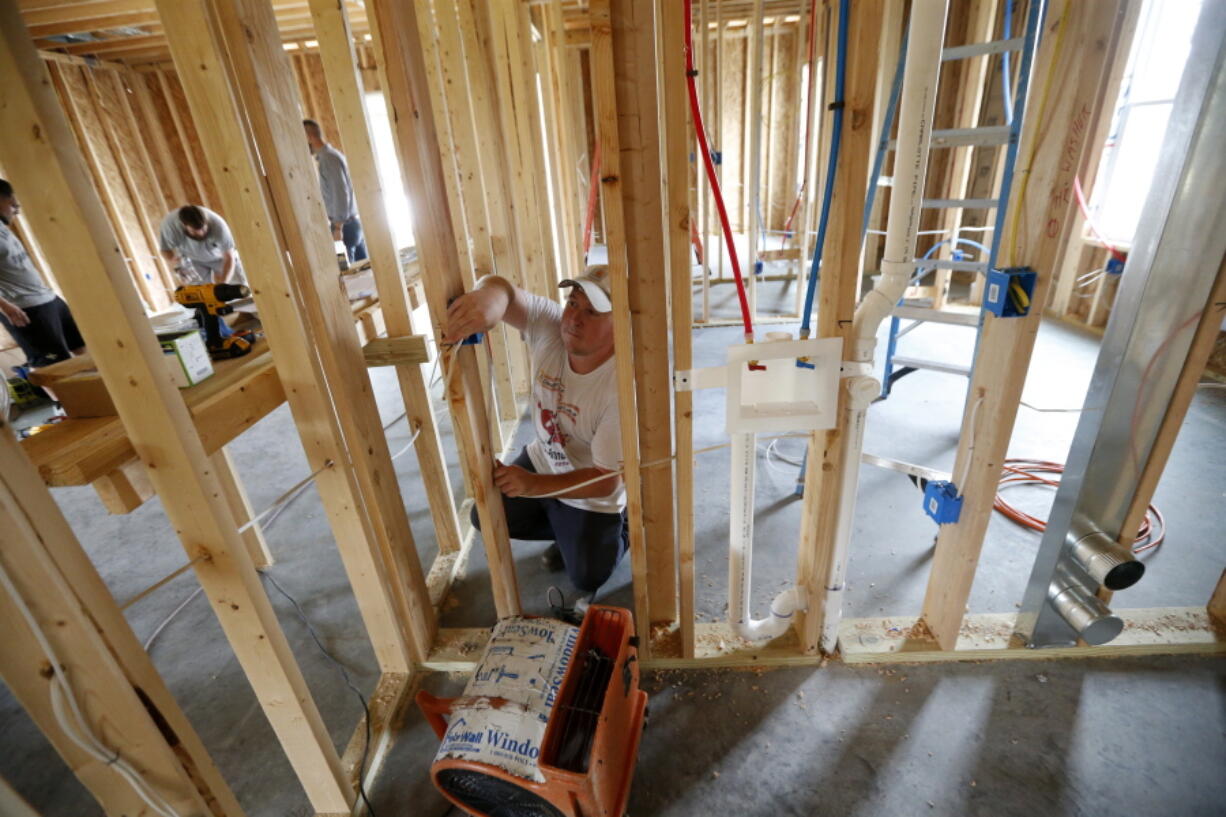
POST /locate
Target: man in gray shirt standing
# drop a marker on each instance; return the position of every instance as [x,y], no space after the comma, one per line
[198,243]
[33,314]
[337,190]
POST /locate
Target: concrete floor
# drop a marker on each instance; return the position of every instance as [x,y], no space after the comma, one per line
[1119,737]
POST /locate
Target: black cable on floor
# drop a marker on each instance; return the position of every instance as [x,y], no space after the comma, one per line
[348,682]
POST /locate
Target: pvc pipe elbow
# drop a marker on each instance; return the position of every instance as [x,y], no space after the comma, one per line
[782,610]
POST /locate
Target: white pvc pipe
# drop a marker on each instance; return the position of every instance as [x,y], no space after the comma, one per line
[740,552]
[916,110]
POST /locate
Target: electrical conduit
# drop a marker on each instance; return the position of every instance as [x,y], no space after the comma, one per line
[925,37]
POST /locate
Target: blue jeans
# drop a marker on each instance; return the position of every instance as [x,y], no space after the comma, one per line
[591,543]
[355,242]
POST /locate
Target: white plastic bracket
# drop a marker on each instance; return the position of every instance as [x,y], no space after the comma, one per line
[714,377]
[856,368]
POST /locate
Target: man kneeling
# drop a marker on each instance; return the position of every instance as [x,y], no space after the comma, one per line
[553,491]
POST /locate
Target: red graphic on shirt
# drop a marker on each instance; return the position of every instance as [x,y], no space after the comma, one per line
[549,422]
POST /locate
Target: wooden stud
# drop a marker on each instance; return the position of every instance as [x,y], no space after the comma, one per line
[838,294]
[604,94]
[339,66]
[505,243]
[1076,250]
[397,36]
[104,683]
[459,205]
[635,66]
[471,174]
[259,68]
[752,174]
[125,489]
[409,350]
[677,141]
[60,203]
[362,543]
[99,156]
[1067,91]
[236,498]
[197,194]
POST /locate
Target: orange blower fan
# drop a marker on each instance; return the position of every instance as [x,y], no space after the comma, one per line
[549,724]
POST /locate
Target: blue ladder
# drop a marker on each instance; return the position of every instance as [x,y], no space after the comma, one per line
[897,366]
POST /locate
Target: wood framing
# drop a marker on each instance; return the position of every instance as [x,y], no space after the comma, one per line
[1066,94]
[604,96]
[892,640]
[838,293]
[471,173]
[248,204]
[60,203]
[640,161]
[677,142]
[340,69]
[120,693]
[397,38]
[240,506]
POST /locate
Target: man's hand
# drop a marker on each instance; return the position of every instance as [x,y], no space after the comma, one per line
[15,314]
[476,311]
[513,480]
[336,232]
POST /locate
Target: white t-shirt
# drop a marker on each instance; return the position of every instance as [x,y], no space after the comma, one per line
[574,415]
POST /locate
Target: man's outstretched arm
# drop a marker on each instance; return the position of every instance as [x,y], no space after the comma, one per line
[514,481]
[494,299]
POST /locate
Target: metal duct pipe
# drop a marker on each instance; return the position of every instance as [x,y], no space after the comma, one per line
[1178,247]
[1089,617]
[1106,561]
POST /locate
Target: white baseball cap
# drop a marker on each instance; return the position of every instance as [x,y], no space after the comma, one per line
[595,285]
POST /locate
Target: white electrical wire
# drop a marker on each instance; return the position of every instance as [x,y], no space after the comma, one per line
[72,721]
[643,467]
[970,446]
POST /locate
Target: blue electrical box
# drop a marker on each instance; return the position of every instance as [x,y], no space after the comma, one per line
[1115,266]
[1007,293]
[473,339]
[941,501]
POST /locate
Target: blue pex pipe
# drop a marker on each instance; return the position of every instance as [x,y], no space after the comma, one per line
[840,76]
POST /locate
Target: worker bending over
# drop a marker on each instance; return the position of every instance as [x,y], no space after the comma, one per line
[33,314]
[337,189]
[574,414]
[198,243]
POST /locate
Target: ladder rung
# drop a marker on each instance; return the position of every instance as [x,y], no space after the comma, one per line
[964,137]
[960,266]
[932,365]
[966,204]
[921,313]
[902,467]
[961,52]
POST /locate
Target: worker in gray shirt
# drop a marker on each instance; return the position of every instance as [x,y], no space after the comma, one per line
[337,190]
[33,314]
[198,243]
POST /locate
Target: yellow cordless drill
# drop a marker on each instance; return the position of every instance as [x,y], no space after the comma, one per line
[211,301]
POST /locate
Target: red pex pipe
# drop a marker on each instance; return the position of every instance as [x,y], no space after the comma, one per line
[593,193]
[701,132]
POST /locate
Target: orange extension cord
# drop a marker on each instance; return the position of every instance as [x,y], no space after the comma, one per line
[1022,471]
